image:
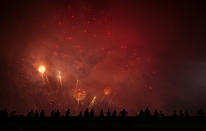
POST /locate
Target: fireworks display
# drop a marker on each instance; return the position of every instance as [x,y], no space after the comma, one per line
[76,54]
[59,77]
[85,43]
[79,94]
[42,69]
[92,103]
[107,91]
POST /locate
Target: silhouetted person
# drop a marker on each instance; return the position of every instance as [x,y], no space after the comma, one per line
[201,113]
[181,114]
[68,113]
[13,114]
[187,115]
[123,113]
[175,115]
[52,113]
[80,114]
[42,114]
[1,113]
[147,112]
[162,115]
[109,113]
[30,114]
[36,114]
[141,114]
[21,116]
[101,113]
[57,114]
[114,114]
[156,114]
[4,114]
[92,113]
[63,116]
[86,113]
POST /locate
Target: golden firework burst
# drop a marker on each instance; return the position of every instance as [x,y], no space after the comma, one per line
[79,94]
[107,91]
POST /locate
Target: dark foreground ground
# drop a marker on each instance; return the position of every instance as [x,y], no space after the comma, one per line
[75,122]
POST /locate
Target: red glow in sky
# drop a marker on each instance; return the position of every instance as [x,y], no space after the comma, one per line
[129,54]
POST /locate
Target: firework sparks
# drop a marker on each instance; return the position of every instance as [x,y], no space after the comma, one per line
[52,62]
[79,94]
[107,91]
[77,83]
[42,70]
[59,77]
[92,102]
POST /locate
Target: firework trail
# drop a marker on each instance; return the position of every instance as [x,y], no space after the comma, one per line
[92,102]
[77,84]
[42,70]
[59,77]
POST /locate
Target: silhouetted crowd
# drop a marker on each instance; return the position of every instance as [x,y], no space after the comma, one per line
[142,114]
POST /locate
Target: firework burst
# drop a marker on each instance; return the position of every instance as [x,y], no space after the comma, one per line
[79,94]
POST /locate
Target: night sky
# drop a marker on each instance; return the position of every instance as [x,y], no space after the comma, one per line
[128,53]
